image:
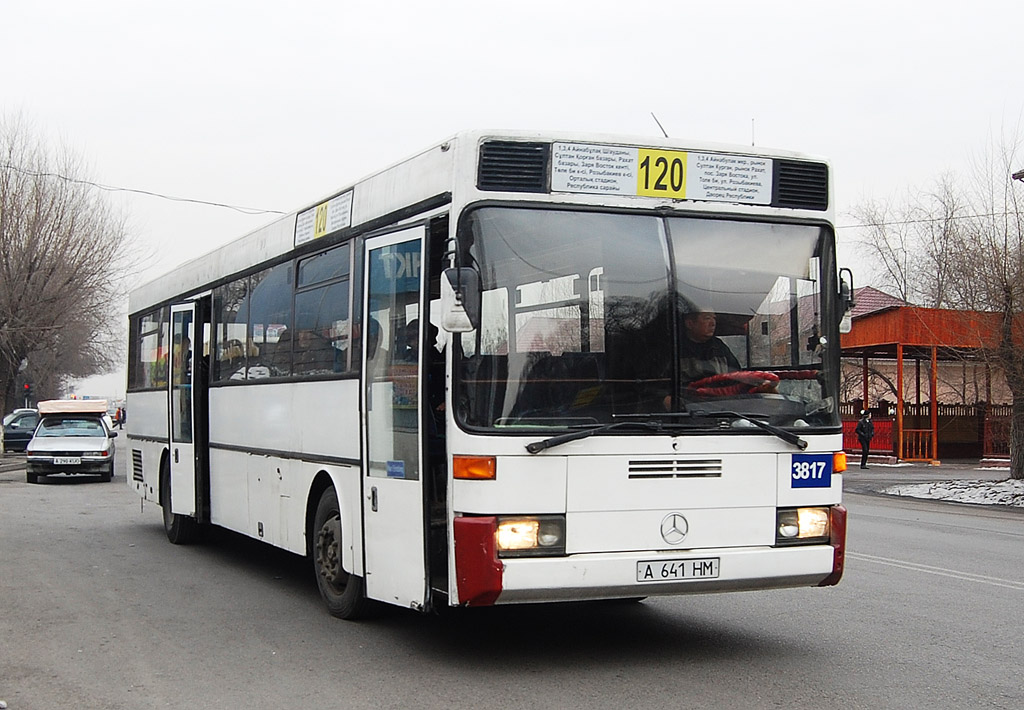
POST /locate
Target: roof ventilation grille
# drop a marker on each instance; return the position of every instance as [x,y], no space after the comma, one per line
[801,185]
[511,166]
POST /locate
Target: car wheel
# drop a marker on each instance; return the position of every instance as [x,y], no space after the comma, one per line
[180,529]
[32,477]
[108,475]
[343,593]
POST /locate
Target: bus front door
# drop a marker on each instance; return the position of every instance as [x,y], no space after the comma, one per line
[182,414]
[393,488]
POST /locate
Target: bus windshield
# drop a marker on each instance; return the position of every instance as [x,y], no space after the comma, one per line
[588,317]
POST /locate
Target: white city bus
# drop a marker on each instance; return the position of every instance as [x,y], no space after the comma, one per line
[468,379]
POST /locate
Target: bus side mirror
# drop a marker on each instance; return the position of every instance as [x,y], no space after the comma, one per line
[460,300]
[846,302]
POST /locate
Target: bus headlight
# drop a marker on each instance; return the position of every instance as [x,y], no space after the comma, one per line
[530,536]
[801,526]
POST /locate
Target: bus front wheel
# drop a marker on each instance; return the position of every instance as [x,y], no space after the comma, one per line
[343,593]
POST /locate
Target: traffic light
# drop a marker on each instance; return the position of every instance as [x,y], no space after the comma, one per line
[28,390]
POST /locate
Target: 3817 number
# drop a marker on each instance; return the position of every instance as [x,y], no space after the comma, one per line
[808,469]
[662,173]
[811,471]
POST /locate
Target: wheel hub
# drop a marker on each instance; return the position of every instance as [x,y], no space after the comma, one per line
[328,552]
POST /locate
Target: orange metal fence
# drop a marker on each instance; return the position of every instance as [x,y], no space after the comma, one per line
[917,445]
[990,421]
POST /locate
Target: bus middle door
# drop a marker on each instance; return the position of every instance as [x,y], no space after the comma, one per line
[182,414]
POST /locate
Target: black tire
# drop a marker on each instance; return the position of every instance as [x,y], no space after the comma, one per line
[180,529]
[343,593]
[108,475]
[32,477]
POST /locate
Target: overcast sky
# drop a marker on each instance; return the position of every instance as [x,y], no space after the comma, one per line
[274,105]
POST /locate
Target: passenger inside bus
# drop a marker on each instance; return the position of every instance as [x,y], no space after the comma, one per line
[280,359]
[409,342]
[377,355]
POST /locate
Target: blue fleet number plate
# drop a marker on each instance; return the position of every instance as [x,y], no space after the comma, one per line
[811,471]
[677,570]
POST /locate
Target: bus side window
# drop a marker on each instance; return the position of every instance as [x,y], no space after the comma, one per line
[230,313]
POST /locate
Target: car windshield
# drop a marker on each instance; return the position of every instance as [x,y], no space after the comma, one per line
[588,317]
[70,427]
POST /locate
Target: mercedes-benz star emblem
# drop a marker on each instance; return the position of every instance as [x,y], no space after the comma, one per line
[674,528]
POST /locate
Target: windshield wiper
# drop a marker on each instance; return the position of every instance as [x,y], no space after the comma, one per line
[787,436]
[655,423]
[538,446]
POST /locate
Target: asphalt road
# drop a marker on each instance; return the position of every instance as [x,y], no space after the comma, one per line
[100,611]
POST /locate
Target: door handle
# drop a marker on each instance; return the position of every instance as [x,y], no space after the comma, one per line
[373,499]
[175,456]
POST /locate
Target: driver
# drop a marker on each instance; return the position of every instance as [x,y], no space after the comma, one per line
[701,352]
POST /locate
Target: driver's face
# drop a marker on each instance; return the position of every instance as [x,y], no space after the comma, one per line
[700,327]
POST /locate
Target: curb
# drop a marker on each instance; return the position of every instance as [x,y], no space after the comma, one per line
[11,462]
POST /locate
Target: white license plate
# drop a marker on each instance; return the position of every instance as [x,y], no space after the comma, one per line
[66,460]
[676,570]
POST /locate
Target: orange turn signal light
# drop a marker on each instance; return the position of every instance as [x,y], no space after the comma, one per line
[838,462]
[474,468]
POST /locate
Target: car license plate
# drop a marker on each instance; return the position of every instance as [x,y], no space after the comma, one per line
[676,570]
[66,460]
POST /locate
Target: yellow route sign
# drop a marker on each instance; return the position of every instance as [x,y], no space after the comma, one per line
[661,173]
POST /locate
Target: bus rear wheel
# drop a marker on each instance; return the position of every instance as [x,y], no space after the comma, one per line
[342,592]
[180,529]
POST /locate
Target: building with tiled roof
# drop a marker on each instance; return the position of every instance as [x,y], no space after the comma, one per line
[869,300]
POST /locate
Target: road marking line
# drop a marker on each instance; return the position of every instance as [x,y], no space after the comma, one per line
[941,571]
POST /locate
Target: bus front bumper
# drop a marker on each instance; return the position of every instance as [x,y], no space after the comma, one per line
[623,575]
[483,578]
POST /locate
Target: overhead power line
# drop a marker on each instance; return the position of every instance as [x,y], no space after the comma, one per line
[924,220]
[111,188]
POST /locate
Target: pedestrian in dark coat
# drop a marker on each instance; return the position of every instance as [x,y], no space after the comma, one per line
[865,433]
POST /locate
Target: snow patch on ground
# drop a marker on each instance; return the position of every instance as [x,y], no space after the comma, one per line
[1009,492]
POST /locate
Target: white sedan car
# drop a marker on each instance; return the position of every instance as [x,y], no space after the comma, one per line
[71,443]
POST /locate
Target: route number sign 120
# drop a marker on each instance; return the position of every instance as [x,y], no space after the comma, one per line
[661,173]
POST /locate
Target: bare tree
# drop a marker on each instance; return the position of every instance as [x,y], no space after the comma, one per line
[909,242]
[888,245]
[63,253]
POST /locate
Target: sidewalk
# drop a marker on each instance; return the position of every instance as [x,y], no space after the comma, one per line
[11,462]
[878,476]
